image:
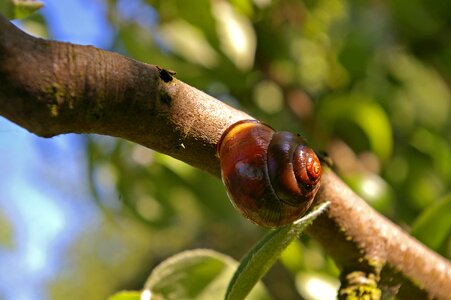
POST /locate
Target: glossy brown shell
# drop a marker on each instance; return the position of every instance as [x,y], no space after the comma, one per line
[271,177]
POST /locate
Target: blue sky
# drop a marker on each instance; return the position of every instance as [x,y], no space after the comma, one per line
[40,212]
[41,180]
[78,21]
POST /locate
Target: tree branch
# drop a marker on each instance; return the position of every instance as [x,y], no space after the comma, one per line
[53,88]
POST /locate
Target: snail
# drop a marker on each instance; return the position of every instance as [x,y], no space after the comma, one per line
[270,176]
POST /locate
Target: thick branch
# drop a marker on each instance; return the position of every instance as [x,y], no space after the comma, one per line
[52,88]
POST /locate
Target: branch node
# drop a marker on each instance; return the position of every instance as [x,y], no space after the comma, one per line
[165,74]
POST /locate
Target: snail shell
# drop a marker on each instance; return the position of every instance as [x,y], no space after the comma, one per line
[271,177]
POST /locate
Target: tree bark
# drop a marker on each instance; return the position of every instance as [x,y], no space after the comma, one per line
[52,88]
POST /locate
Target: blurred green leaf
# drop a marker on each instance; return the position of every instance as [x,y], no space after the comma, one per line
[18,9]
[433,226]
[423,96]
[426,188]
[236,34]
[291,257]
[197,274]
[264,254]
[367,114]
[373,189]
[416,19]
[434,146]
[195,12]
[126,295]
[189,42]
[6,231]
[317,286]
[35,25]
[243,6]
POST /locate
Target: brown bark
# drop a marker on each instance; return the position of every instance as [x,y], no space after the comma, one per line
[52,88]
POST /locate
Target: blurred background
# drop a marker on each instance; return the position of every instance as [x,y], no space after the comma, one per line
[83,216]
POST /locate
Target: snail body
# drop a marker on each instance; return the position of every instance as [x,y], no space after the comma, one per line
[270,176]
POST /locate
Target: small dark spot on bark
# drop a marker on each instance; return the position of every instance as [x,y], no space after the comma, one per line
[166,75]
[96,115]
[165,98]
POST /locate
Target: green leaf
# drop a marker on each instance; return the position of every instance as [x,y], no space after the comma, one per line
[126,295]
[433,226]
[18,9]
[263,255]
[363,112]
[373,188]
[197,274]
